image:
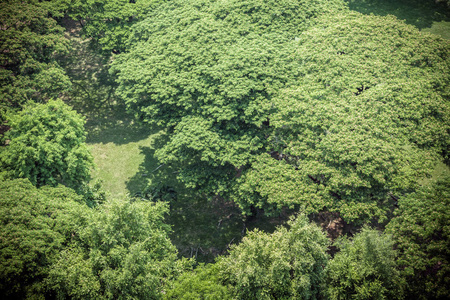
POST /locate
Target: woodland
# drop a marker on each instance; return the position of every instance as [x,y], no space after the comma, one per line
[224,149]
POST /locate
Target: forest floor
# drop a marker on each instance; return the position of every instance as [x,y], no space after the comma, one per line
[124,151]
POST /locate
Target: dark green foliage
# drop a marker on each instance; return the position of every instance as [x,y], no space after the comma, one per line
[367,118]
[287,264]
[108,22]
[93,194]
[364,268]
[29,41]
[199,284]
[124,253]
[421,231]
[420,13]
[35,224]
[53,245]
[47,146]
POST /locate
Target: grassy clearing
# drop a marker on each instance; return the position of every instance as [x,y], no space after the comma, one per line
[117,161]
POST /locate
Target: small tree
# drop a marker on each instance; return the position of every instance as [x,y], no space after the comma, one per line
[35,225]
[421,230]
[47,146]
[287,264]
[364,268]
[201,283]
[124,252]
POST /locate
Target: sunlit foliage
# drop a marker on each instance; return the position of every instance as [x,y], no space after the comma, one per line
[287,264]
[364,268]
[47,145]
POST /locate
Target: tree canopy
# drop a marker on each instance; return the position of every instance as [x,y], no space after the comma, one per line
[29,42]
[364,268]
[123,252]
[368,118]
[108,22]
[53,245]
[337,111]
[47,145]
[208,71]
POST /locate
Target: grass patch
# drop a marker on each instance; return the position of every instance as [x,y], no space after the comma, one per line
[117,163]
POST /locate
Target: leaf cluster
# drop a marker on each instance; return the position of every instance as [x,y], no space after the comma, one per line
[36,224]
[123,252]
[47,146]
[108,23]
[364,268]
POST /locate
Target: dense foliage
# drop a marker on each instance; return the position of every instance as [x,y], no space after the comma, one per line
[29,43]
[369,117]
[364,268]
[53,245]
[47,146]
[208,70]
[202,283]
[123,252]
[265,105]
[287,264]
[35,225]
[421,230]
[344,112]
[108,22]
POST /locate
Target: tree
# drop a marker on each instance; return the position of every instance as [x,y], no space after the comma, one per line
[208,70]
[29,43]
[364,268]
[366,120]
[53,245]
[123,252]
[274,118]
[421,231]
[47,146]
[35,225]
[287,264]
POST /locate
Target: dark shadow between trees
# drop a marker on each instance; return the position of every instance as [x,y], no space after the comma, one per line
[420,13]
[202,227]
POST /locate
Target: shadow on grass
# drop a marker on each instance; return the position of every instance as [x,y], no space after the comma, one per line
[114,125]
[420,13]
